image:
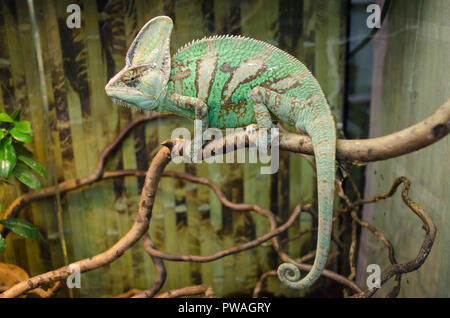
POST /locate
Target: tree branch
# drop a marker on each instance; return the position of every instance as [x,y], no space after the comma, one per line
[418,136]
[138,229]
[189,291]
[424,251]
[405,141]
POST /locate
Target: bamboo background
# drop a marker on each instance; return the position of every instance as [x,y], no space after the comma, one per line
[187,218]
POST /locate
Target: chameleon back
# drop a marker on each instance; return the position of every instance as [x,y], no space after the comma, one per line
[222,70]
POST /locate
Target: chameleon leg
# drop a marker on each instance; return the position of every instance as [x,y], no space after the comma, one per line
[201,113]
[312,115]
[262,115]
[266,101]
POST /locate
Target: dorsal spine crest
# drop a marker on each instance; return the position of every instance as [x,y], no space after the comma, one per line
[235,38]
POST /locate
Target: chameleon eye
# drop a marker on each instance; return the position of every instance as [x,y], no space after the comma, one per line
[131,78]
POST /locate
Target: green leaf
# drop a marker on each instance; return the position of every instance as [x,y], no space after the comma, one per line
[27,177]
[21,150]
[22,227]
[33,164]
[2,134]
[2,244]
[20,136]
[23,126]
[8,158]
[15,115]
[5,118]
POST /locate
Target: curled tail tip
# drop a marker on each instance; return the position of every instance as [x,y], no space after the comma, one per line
[290,276]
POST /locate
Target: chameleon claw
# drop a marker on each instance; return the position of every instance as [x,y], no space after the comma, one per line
[251,129]
[262,141]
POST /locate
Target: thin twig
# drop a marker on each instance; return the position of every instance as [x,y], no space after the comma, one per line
[161,273]
[430,235]
[189,291]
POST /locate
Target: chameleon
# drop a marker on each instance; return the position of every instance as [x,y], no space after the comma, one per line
[229,82]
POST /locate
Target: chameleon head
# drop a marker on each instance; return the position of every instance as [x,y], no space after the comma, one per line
[139,86]
[143,80]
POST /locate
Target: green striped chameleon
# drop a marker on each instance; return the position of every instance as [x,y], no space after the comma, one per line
[229,82]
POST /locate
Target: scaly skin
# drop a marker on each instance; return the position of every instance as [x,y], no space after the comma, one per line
[230,82]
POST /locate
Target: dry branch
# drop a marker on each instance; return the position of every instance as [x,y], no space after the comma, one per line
[413,138]
[389,246]
[410,139]
[430,235]
[228,251]
[189,291]
[22,201]
[48,293]
[264,212]
[161,273]
[129,293]
[138,229]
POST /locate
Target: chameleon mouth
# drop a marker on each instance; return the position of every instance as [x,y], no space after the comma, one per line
[124,104]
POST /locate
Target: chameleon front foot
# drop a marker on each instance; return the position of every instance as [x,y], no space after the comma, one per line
[262,141]
[251,129]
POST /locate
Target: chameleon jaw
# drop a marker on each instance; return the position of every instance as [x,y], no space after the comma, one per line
[124,104]
[132,106]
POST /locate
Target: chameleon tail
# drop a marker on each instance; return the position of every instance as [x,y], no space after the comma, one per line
[323,135]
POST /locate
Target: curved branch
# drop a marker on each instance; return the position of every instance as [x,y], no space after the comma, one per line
[139,228]
[405,141]
[161,272]
[246,207]
[228,251]
[424,251]
[418,136]
[129,293]
[410,139]
[189,291]
[48,293]
[385,241]
[22,201]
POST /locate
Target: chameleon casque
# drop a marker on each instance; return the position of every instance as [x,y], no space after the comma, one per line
[229,82]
